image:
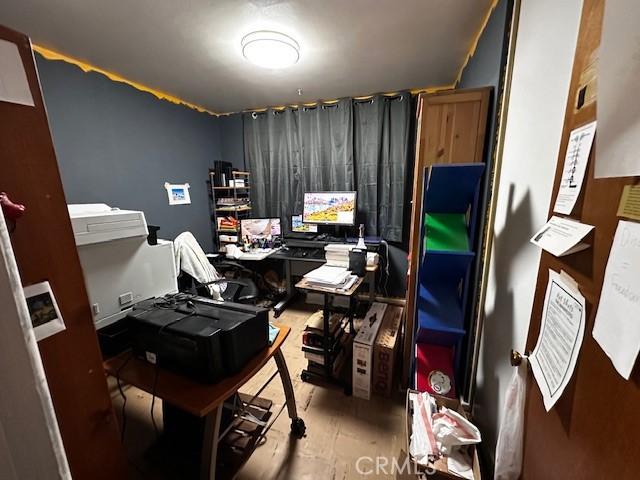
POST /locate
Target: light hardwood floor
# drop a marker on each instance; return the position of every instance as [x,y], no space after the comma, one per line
[340,429]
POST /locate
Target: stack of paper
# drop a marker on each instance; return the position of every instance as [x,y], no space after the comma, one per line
[337,254]
[331,276]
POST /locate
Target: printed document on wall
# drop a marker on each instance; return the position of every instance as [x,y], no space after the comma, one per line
[575,166]
[562,236]
[618,141]
[617,324]
[561,331]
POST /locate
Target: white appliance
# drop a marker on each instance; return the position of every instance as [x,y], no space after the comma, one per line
[120,267]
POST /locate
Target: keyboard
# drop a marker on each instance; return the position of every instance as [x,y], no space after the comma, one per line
[301,235]
[256,254]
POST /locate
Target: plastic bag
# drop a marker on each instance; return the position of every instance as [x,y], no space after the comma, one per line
[451,429]
[508,464]
[423,444]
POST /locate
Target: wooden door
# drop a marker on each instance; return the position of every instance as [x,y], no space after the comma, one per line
[451,129]
[592,431]
[45,249]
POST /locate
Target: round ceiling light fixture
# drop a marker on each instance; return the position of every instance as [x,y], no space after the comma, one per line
[270,49]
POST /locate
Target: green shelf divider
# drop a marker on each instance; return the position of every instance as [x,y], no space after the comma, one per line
[446,232]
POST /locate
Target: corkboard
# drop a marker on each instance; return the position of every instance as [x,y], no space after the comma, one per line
[592,431]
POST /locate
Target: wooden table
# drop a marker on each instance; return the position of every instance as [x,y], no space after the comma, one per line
[205,400]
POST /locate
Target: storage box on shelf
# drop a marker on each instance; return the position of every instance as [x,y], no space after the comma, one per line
[313,341]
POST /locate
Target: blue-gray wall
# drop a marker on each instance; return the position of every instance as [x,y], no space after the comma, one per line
[484,69]
[232,140]
[117,145]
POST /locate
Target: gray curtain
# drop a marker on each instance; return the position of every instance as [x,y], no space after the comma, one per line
[326,141]
[382,127]
[272,155]
[349,145]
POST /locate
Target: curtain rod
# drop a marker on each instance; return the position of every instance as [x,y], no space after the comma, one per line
[360,98]
[306,107]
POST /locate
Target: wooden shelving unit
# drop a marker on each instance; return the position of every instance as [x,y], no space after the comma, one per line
[229,201]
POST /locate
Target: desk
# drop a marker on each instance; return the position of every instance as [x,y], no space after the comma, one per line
[329,354]
[204,400]
[312,261]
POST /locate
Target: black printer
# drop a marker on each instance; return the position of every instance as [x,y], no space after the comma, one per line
[198,337]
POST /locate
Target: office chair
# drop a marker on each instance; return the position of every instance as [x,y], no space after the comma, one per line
[238,290]
[197,275]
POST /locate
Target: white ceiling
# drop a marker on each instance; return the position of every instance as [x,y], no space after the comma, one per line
[191,48]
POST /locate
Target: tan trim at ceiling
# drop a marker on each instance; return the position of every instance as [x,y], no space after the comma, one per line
[86,67]
[476,39]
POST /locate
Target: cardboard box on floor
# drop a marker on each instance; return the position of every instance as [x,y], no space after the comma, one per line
[363,345]
[385,350]
[438,469]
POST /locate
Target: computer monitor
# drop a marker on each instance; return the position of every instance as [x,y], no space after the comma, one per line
[298,226]
[256,228]
[329,208]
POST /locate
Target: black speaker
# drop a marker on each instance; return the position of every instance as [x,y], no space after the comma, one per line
[223,173]
[358,262]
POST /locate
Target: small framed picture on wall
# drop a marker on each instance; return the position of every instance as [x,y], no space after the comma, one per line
[43,310]
[178,193]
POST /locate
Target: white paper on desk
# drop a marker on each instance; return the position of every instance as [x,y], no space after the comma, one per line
[328,274]
[14,86]
[618,141]
[575,166]
[561,331]
[562,236]
[617,324]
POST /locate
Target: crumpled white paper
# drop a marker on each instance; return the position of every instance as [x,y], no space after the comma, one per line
[436,433]
[452,429]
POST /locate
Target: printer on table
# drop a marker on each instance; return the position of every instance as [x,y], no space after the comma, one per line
[197,337]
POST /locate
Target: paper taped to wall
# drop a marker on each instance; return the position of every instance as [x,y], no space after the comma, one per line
[561,331]
[562,236]
[618,107]
[46,318]
[575,166]
[617,324]
[630,202]
[14,86]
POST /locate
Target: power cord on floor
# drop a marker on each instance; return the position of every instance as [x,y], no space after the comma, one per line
[153,400]
[384,277]
[124,397]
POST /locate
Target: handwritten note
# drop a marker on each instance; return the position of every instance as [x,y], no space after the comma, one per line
[575,166]
[561,331]
[617,324]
